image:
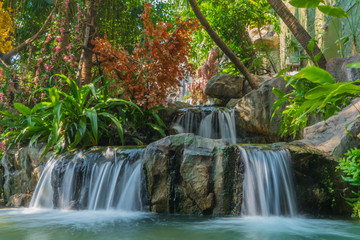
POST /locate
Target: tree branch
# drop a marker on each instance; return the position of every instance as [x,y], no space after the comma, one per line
[6,56]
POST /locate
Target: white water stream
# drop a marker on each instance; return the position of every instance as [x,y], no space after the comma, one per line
[268,187]
[91,184]
[210,122]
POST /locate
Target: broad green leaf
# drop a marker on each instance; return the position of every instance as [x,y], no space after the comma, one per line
[278,92]
[317,57]
[353,65]
[315,75]
[311,45]
[24,110]
[137,141]
[332,90]
[157,128]
[54,95]
[92,115]
[305,3]
[320,91]
[57,111]
[117,123]
[333,11]
[283,71]
[40,106]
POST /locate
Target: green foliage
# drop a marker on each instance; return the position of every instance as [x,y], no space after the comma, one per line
[231,20]
[326,9]
[350,165]
[314,91]
[81,117]
[333,11]
[305,3]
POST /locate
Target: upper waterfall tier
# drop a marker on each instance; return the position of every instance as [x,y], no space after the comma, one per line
[210,122]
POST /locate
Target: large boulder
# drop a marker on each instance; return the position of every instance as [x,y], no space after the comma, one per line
[22,169]
[190,174]
[336,135]
[254,111]
[266,35]
[340,72]
[225,86]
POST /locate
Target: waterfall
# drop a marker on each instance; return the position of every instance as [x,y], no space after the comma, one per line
[209,122]
[92,180]
[268,186]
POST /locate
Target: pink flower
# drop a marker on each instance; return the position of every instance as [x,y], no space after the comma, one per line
[78,16]
[36,80]
[40,60]
[78,7]
[77,28]
[58,39]
[62,30]
[3,146]
[47,67]
[2,97]
[72,57]
[57,49]
[76,37]
[53,57]
[66,58]
[67,4]
[48,37]
[63,21]
[71,46]
[2,73]
[38,71]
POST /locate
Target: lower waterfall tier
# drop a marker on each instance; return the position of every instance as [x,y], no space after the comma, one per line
[182,173]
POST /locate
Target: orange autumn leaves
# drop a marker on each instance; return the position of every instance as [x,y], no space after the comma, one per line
[158,63]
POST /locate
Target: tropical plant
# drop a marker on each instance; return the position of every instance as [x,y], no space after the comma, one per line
[350,165]
[314,91]
[81,117]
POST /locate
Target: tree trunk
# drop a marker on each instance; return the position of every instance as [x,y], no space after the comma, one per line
[299,32]
[222,45]
[86,61]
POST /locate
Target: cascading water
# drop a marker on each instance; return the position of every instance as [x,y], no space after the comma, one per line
[209,122]
[92,181]
[268,186]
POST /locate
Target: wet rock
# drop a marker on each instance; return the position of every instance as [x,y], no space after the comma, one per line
[224,86]
[336,135]
[340,72]
[319,187]
[190,174]
[21,170]
[19,200]
[253,112]
[266,36]
[170,112]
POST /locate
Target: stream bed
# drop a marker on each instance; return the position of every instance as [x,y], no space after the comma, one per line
[35,224]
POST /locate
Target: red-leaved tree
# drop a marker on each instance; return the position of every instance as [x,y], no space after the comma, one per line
[159,61]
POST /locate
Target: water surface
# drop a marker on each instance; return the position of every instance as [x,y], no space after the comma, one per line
[30,224]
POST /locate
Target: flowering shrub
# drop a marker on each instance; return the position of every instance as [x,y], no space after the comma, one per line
[203,75]
[159,61]
[56,54]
